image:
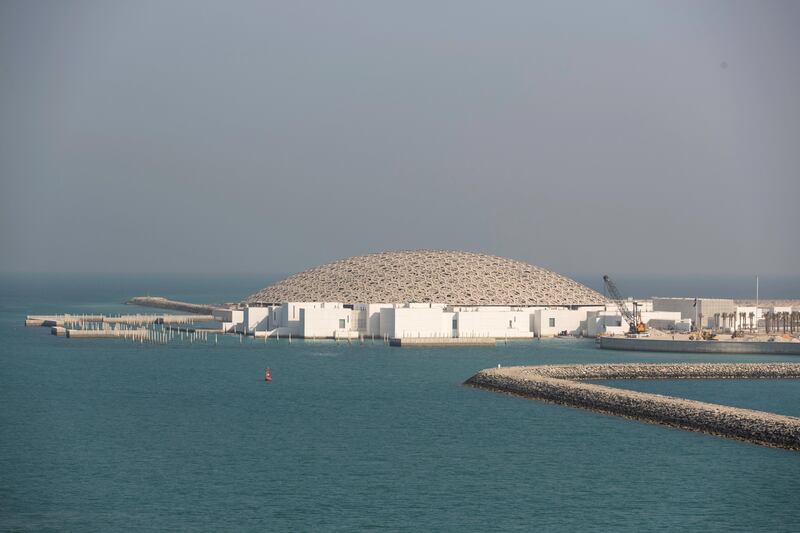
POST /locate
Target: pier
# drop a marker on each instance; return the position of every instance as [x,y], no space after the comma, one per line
[142,328]
[135,319]
[562,384]
[133,334]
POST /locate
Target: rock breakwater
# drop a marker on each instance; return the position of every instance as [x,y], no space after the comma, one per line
[562,384]
[160,302]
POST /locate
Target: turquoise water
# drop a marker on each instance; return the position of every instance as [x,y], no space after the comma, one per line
[107,435]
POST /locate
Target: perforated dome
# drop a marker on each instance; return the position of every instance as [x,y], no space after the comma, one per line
[449,277]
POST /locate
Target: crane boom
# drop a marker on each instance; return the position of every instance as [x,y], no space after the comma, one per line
[623,309]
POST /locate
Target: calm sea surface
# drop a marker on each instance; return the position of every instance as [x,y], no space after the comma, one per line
[108,435]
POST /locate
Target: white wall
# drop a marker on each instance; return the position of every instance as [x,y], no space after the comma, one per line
[386,322]
[231,320]
[417,322]
[423,305]
[286,319]
[255,319]
[374,318]
[599,322]
[661,319]
[565,319]
[491,322]
[321,319]
[326,322]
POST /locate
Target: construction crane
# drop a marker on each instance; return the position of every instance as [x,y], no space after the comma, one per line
[636,325]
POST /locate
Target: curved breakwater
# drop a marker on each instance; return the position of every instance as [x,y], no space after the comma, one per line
[160,302]
[562,384]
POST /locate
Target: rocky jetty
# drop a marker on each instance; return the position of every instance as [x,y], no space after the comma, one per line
[562,384]
[159,302]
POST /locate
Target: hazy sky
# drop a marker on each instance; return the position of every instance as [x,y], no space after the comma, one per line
[269,137]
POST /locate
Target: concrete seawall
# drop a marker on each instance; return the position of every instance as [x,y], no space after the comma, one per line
[558,384]
[687,346]
[442,341]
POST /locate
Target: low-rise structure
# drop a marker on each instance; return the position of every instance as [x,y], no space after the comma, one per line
[703,312]
[434,294]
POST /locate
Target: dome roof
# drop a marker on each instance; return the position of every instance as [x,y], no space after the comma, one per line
[450,277]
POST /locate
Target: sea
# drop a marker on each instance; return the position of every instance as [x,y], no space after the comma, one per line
[109,435]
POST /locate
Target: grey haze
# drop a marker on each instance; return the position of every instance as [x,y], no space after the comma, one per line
[266,137]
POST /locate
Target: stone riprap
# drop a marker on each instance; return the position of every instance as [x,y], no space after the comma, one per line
[561,384]
[160,302]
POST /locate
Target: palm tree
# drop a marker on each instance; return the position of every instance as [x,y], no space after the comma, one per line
[752,315]
[724,320]
[716,321]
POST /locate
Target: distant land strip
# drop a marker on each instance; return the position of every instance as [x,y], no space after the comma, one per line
[561,384]
[160,302]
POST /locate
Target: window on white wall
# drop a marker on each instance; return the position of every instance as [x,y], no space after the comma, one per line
[552,322]
[341,323]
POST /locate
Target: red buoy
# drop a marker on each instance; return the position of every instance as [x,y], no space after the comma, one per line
[267,375]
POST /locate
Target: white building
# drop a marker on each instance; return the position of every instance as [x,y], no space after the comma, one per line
[703,312]
[419,293]
[335,320]
[432,294]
